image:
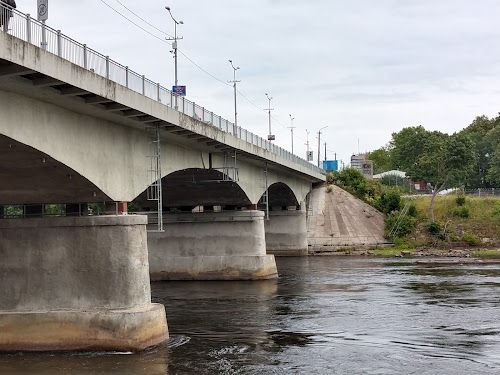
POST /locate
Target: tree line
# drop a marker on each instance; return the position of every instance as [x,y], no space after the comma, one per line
[469,158]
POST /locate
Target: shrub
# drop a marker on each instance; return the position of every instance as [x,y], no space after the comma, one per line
[332,177]
[434,229]
[471,239]
[400,226]
[412,210]
[390,201]
[461,211]
[460,200]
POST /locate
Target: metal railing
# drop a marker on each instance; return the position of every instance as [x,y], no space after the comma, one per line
[28,29]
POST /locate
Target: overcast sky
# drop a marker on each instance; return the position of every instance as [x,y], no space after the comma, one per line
[364,68]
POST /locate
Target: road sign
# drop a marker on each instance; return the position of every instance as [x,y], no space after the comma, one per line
[271,137]
[43,10]
[310,156]
[179,90]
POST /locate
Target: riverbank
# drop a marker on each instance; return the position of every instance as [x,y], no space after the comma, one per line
[424,252]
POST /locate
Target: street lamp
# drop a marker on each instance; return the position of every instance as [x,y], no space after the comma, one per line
[307,144]
[319,142]
[270,137]
[291,127]
[174,45]
[234,81]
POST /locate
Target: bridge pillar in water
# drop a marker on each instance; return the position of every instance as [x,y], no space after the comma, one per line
[286,232]
[211,246]
[77,283]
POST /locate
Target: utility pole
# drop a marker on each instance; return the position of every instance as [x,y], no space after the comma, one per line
[234,81]
[270,137]
[291,127]
[319,143]
[174,47]
[325,151]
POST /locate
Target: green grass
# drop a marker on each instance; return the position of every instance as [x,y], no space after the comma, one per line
[481,222]
[487,253]
[391,251]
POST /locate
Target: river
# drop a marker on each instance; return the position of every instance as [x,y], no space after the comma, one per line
[325,315]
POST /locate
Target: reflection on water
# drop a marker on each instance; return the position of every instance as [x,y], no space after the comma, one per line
[324,315]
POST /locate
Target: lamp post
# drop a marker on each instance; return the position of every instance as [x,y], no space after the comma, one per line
[319,142]
[307,145]
[234,81]
[174,46]
[270,137]
[291,127]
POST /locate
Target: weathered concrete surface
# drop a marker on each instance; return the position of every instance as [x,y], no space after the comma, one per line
[77,283]
[130,329]
[211,246]
[286,233]
[339,220]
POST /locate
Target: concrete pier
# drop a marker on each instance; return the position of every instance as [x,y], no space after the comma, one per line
[77,283]
[211,246]
[286,233]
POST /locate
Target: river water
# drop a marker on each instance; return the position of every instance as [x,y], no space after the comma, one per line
[325,315]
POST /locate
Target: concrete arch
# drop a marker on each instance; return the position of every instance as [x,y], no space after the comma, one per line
[280,194]
[198,187]
[29,176]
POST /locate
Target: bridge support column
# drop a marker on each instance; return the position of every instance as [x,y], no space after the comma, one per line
[211,246]
[77,283]
[286,233]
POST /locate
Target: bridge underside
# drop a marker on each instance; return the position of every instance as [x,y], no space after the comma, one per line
[29,176]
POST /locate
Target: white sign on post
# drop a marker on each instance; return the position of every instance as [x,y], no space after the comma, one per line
[43,10]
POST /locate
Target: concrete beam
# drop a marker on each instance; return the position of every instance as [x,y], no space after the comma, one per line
[47,82]
[97,100]
[14,70]
[133,113]
[181,132]
[147,119]
[115,107]
[72,91]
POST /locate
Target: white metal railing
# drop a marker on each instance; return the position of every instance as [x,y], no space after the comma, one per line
[26,28]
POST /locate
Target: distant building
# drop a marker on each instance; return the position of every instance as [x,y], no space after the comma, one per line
[393,172]
[361,163]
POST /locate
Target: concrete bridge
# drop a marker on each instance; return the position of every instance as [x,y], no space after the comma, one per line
[74,133]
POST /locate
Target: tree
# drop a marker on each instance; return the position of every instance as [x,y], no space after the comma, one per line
[437,158]
[381,160]
[479,131]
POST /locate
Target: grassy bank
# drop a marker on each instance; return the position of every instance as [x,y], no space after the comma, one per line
[461,222]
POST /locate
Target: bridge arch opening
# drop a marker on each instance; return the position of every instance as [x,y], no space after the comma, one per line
[197,187]
[29,176]
[281,195]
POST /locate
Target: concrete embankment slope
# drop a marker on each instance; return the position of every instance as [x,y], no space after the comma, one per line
[339,220]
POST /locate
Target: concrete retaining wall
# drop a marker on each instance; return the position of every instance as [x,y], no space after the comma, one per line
[211,246]
[286,233]
[80,283]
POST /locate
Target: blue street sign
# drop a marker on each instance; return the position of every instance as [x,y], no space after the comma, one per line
[179,90]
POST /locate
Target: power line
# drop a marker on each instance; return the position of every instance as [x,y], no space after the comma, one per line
[203,70]
[140,27]
[142,19]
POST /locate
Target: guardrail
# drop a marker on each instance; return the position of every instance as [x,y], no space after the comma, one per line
[24,27]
